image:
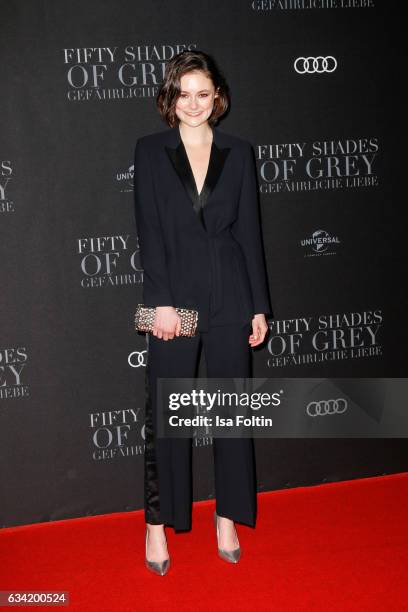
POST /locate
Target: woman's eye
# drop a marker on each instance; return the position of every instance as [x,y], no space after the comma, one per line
[203,95]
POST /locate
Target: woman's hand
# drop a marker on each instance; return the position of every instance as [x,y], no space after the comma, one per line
[167,323]
[259,329]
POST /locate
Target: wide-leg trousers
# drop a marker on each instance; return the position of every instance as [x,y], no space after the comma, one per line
[168,462]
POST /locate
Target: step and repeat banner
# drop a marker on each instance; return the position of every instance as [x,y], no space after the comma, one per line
[312,88]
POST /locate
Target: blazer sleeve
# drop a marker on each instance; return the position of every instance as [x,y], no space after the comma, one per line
[156,286]
[247,231]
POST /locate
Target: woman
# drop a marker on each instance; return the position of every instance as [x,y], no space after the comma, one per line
[201,248]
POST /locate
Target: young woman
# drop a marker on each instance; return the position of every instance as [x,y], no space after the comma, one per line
[198,224]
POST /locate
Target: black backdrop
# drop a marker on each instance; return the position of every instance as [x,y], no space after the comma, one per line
[78,83]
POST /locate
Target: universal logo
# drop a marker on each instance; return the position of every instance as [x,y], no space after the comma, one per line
[320,243]
[6,172]
[116,73]
[13,362]
[117,433]
[109,261]
[124,179]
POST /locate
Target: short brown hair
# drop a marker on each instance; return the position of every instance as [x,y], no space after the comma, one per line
[170,89]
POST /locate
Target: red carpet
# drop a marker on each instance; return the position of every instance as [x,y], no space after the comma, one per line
[341,546]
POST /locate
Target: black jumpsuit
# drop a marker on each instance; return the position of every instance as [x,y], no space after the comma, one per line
[168,462]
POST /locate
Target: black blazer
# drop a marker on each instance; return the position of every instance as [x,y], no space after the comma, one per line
[201,251]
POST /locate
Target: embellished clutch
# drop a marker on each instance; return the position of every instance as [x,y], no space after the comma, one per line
[144,318]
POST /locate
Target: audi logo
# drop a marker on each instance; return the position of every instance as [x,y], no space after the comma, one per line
[140,359]
[309,65]
[324,407]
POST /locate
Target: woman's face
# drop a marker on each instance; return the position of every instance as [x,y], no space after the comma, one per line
[196,100]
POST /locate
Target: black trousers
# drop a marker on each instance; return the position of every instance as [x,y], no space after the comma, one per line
[168,462]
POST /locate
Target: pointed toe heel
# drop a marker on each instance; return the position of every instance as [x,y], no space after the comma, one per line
[232,556]
[157,567]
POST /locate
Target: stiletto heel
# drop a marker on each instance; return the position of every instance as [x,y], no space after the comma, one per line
[158,567]
[232,556]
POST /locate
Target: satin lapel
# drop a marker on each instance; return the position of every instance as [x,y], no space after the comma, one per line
[181,164]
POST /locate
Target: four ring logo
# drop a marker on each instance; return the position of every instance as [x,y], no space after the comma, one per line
[332,406]
[308,65]
[140,359]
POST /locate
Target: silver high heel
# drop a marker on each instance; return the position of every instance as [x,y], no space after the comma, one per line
[232,556]
[158,567]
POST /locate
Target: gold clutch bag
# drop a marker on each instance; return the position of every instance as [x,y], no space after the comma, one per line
[144,318]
